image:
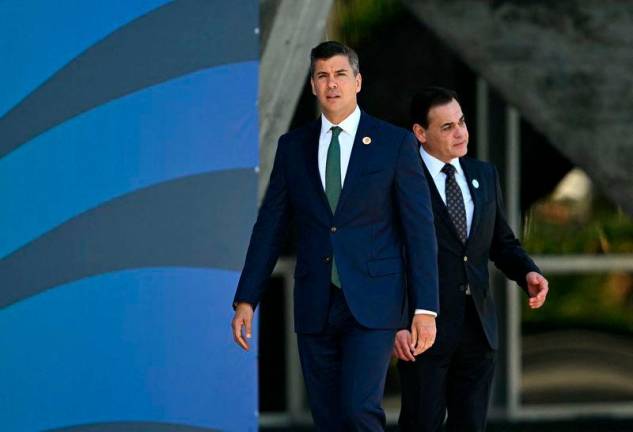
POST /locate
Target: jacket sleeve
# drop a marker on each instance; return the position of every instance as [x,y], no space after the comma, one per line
[268,234]
[416,219]
[506,250]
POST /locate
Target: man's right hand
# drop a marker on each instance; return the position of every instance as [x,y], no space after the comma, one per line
[402,346]
[243,318]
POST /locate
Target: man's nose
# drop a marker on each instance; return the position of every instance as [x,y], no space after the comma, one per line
[331,83]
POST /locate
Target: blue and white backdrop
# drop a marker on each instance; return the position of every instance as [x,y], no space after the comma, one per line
[128,142]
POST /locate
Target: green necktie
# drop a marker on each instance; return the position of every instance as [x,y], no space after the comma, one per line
[333,184]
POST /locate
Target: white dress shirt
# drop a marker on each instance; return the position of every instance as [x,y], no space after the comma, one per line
[435,166]
[345,139]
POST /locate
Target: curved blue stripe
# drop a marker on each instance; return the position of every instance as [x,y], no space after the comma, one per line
[203,122]
[39,37]
[142,345]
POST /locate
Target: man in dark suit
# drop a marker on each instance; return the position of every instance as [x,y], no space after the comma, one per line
[356,190]
[455,374]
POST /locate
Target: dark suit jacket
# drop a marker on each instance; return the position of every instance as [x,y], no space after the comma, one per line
[383,212]
[459,264]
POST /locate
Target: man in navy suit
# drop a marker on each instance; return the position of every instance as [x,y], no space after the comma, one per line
[471,228]
[355,188]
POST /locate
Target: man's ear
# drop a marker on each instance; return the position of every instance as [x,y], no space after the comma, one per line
[359,82]
[419,132]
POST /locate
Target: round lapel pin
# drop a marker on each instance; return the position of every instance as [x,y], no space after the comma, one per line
[366,140]
[475,183]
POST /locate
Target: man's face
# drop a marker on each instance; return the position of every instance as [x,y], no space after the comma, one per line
[446,136]
[335,86]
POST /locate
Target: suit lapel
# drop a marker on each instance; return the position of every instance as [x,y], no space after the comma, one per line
[358,157]
[435,194]
[470,172]
[439,207]
[312,160]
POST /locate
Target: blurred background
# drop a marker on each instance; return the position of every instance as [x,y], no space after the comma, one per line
[131,159]
[548,97]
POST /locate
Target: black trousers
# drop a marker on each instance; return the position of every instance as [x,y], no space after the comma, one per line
[453,377]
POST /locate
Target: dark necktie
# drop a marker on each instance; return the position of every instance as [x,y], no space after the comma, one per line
[455,202]
[333,185]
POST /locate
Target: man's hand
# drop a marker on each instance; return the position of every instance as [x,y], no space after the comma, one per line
[243,318]
[402,346]
[422,333]
[538,288]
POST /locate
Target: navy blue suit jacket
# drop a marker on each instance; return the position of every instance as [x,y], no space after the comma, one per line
[383,215]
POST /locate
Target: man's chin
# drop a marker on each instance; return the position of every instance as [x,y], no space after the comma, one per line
[460,150]
[333,105]
[332,109]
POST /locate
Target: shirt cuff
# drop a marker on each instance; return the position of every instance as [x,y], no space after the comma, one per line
[425,312]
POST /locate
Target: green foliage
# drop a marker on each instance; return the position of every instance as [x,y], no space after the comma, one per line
[589,301]
[612,234]
[356,20]
[559,228]
[593,301]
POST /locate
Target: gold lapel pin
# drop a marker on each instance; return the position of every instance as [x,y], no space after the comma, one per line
[475,183]
[366,140]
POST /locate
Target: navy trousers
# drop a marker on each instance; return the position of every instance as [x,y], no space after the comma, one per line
[454,377]
[344,368]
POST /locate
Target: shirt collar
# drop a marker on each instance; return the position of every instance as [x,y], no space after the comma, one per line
[349,125]
[434,165]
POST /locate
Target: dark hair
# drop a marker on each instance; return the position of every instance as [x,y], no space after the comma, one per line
[426,99]
[329,49]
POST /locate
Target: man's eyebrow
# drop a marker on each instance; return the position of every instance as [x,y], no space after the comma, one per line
[463,117]
[320,73]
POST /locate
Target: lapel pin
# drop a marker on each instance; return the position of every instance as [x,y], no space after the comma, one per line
[475,183]
[366,140]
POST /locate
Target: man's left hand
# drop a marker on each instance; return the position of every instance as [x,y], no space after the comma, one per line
[537,288]
[402,346]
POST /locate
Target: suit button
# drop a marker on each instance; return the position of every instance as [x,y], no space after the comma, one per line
[333,229]
[327,259]
[465,258]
